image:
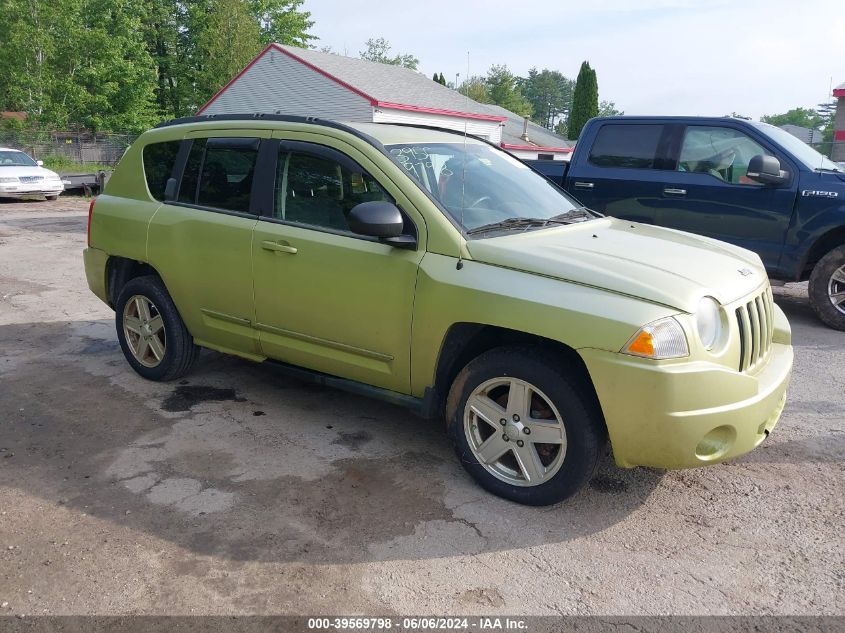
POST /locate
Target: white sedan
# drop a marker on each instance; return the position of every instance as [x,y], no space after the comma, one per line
[21,176]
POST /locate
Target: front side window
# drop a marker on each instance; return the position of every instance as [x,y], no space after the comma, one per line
[631,146]
[158,166]
[479,185]
[722,152]
[314,190]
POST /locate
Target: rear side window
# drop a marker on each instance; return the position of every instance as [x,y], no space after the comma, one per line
[626,146]
[158,165]
[219,173]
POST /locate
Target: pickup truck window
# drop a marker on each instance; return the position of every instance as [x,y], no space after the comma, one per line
[478,184]
[631,146]
[803,152]
[722,152]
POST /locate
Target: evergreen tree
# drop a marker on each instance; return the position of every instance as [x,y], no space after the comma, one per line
[442,80]
[550,95]
[585,101]
[436,78]
[504,91]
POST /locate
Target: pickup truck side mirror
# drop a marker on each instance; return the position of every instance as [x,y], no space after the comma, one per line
[40,163]
[381,219]
[766,170]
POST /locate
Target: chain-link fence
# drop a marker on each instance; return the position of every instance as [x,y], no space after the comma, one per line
[67,148]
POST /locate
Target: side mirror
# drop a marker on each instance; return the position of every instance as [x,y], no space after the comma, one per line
[383,220]
[40,163]
[170,190]
[766,170]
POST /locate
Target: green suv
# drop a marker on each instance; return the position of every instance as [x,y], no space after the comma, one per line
[438,272]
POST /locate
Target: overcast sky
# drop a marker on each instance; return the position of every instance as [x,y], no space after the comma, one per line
[752,57]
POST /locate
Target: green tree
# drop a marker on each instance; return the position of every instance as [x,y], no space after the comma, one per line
[608,108]
[504,90]
[442,80]
[378,50]
[229,39]
[282,21]
[585,101]
[550,95]
[803,117]
[476,89]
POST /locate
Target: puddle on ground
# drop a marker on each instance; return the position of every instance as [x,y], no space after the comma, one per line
[186,396]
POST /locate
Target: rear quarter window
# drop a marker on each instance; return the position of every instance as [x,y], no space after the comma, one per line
[158,166]
[627,146]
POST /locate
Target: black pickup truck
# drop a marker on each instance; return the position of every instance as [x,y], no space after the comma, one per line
[751,184]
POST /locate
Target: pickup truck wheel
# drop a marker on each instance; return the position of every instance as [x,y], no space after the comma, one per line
[152,335]
[521,428]
[827,288]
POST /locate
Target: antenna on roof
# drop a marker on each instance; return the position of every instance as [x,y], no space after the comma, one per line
[460,263]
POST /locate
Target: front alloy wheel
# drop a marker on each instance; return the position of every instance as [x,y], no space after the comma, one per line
[827,288]
[526,424]
[514,431]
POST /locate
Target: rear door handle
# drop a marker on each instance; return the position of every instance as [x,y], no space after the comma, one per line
[269,245]
[584,185]
[669,191]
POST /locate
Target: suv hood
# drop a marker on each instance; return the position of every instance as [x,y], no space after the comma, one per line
[661,265]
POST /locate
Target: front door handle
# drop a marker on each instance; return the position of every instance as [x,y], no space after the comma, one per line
[669,191]
[584,185]
[278,247]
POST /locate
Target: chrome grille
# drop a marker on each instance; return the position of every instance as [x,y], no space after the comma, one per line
[29,179]
[755,320]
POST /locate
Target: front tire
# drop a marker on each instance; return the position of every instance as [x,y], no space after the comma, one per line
[152,335]
[523,425]
[827,288]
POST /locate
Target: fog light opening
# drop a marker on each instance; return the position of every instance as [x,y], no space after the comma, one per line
[716,443]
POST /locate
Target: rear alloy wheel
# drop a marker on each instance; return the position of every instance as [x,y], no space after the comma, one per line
[152,335]
[523,426]
[827,288]
[144,330]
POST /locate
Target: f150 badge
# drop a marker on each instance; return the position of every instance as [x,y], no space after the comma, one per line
[819,194]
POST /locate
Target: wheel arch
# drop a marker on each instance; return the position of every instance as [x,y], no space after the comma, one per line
[823,245]
[119,271]
[466,341]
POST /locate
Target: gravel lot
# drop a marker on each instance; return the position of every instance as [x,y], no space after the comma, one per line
[241,491]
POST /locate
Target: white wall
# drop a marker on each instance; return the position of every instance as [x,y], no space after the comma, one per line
[277,82]
[532,155]
[491,130]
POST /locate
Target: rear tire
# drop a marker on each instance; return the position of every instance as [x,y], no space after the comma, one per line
[827,288]
[152,335]
[505,391]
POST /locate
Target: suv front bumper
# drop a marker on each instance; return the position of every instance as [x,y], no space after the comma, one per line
[683,415]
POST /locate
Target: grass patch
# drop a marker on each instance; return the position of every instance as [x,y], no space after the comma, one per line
[62,163]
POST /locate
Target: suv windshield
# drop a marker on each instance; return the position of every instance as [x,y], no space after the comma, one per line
[798,148]
[13,158]
[479,185]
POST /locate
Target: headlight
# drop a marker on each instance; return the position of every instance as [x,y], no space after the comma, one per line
[708,321]
[8,179]
[658,340]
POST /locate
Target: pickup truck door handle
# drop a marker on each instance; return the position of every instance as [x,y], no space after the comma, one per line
[669,191]
[584,185]
[269,245]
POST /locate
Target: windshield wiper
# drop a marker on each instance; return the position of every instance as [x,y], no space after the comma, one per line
[576,214]
[514,223]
